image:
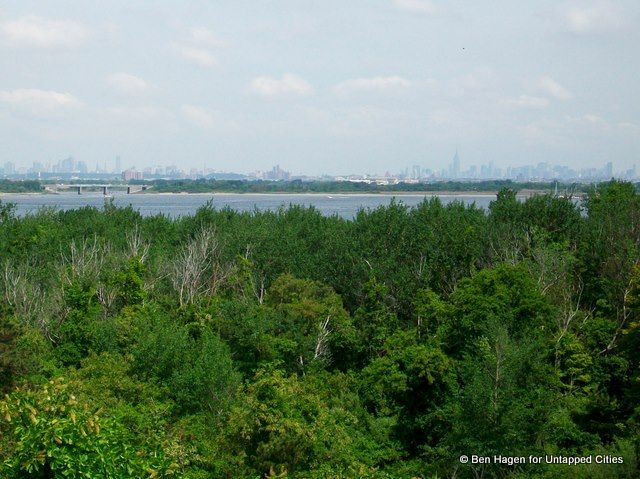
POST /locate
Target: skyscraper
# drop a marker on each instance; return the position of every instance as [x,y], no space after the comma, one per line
[608,171]
[455,166]
[118,165]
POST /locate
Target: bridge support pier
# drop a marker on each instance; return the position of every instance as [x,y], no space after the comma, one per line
[104,190]
[79,190]
[128,190]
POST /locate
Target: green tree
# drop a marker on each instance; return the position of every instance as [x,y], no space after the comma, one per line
[374,320]
[311,315]
[47,432]
[289,425]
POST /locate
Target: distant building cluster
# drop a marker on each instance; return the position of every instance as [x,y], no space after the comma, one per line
[128,175]
[541,172]
[275,173]
[66,165]
[69,168]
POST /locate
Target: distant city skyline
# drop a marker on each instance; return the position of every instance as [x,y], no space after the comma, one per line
[321,87]
[543,171]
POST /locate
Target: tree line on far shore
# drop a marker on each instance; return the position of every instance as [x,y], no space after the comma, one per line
[213,185]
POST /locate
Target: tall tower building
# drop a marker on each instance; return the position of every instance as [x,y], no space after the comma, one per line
[455,166]
[608,171]
[118,165]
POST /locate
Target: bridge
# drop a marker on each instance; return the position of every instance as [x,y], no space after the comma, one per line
[131,189]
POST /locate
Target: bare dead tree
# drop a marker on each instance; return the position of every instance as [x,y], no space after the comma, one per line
[624,314]
[508,249]
[85,260]
[23,296]
[420,267]
[261,290]
[322,344]
[137,246]
[553,271]
[496,376]
[106,295]
[219,273]
[199,268]
[191,264]
[29,300]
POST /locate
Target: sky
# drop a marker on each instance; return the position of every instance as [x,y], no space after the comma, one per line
[320,87]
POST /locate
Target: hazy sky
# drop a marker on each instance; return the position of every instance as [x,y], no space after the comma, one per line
[320,86]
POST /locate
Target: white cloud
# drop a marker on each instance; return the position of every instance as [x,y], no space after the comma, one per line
[555,131]
[373,84]
[626,125]
[537,133]
[589,120]
[39,103]
[356,121]
[137,112]
[288,84]
[479,81]
[416,6]
[448,117]
[196,46]
[593,119]
[127,83]
[596,17]
[198,116]
[40,32]
[565,130]
[553,88]
[526,101]
[204,36]
[199,56]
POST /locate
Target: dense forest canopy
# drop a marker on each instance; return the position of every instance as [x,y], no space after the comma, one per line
[290,344]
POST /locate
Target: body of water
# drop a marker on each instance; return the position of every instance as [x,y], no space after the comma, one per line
[174,205]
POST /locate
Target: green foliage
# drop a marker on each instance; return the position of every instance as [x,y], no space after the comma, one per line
[7,212]
[611,238]
[316,347]
[24,353]
[311,316]
[75,331]
[206,378]
[48,433]
[8,353]
[129,283]
[198,371]
[430,311]
[374,320]
[411,383]
[506,296]
[507,394]
[106,380]
[287,425]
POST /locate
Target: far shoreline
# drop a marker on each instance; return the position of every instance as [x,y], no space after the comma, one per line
[521,193]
